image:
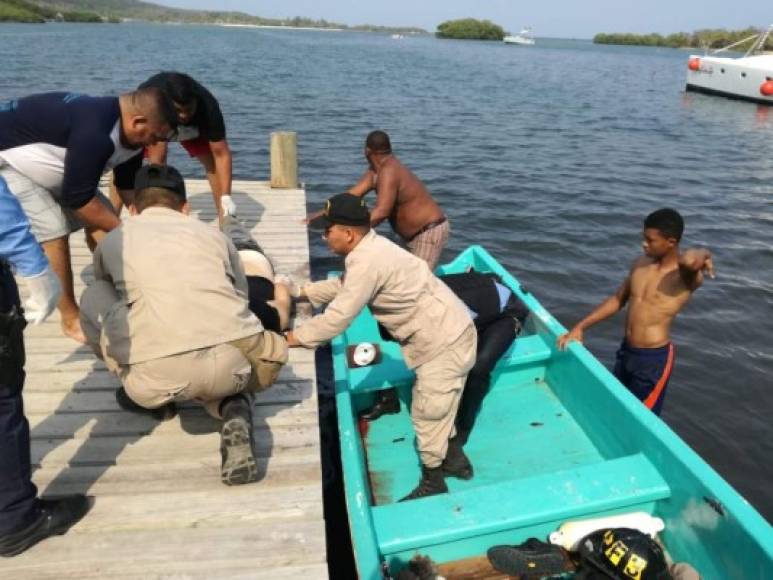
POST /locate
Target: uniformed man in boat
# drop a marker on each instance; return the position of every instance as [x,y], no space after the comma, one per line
[434,328]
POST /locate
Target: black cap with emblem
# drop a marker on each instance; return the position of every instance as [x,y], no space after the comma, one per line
[344,209]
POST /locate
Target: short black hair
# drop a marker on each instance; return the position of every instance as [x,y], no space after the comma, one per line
[378,142]
[155,104]
[667,221]
[180,87]
[157,197]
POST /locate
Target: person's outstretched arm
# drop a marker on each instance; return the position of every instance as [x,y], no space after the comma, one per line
[365,184]
[692,265]
[609,307]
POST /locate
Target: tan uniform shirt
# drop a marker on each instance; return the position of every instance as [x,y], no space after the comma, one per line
[415,307]
[181,284]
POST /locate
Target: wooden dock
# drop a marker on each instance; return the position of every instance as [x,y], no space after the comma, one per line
[160,510]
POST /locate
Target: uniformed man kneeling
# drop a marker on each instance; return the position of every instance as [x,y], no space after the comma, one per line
[169,314]
[433,326]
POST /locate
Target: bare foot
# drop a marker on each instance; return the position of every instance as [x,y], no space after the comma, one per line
[72,328]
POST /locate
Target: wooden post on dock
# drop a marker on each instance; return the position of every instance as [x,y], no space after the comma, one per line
[284,160]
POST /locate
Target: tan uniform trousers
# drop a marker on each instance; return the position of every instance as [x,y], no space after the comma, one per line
[436,395]
[206,375]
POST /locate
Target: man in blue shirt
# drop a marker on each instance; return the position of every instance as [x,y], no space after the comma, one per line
[54,147]
[24,519]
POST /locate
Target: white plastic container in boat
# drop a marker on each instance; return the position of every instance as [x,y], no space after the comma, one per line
[569,534]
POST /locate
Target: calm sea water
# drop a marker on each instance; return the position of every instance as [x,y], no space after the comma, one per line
[548,156]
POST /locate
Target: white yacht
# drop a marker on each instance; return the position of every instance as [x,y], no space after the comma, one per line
[524,38]
[749,77]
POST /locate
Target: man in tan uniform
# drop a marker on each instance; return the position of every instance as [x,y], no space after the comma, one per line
[168,313]
[433,326]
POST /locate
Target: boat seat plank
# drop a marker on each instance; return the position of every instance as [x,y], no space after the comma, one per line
[392,371]
[568,494]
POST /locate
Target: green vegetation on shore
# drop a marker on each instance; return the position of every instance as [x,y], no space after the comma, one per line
[470,29]
[706,39]
[25,11]
[118,10]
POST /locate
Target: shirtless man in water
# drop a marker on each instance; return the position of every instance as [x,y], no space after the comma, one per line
[658,286]
[403,199]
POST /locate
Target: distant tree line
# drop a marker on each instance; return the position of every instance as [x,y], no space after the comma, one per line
[24,11]
[708,38]
[470,29]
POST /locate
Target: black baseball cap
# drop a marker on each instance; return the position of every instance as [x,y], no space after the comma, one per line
[165,176]
[344,209]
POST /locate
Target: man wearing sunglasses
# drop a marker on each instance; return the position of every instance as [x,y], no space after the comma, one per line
[434,328]
[54,147]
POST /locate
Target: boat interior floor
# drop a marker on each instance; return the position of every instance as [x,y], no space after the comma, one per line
[522,431]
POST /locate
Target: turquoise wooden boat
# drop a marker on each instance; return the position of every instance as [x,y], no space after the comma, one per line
[558,438]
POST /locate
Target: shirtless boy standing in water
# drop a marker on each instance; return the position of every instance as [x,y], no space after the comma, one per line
[658,286]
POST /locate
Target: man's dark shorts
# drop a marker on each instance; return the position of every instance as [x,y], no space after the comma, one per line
[646,371]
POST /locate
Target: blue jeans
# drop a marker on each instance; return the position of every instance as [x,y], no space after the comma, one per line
[17,492]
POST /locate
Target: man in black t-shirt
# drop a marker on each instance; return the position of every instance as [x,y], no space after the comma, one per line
[201,131]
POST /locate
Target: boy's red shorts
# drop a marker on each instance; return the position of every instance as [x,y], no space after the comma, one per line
[195,147]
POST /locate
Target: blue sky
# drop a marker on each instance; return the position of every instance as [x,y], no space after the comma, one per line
[557,18]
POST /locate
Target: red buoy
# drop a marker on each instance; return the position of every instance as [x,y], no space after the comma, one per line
[766,88]
[694,64]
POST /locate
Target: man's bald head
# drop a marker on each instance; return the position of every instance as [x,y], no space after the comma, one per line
[147,116]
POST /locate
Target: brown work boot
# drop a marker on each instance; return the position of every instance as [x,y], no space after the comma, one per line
[456,463]
[431,483]
[236,445]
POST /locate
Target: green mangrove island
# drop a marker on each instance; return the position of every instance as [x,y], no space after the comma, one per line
[470,29]
[705,39]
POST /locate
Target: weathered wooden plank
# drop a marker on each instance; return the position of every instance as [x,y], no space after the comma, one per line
[161,554]
[79,364]
[180,476]
[236,506]
[114,421]
[95,399]
[138,448]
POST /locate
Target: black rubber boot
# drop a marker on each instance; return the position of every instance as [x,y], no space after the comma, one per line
[53,517]
[387,403]
[236,445]
[431,483]
[162,413]
[456,463]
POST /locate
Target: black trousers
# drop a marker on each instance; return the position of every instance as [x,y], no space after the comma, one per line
[17,492]
[493,340]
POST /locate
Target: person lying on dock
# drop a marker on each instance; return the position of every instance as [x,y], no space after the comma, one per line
[201,132]
[54,147]
[268,297]
[403,199]
[168,313]
[438,338]
[657,287]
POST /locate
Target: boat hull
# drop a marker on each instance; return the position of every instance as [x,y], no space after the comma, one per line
[735,78]
[558,438]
